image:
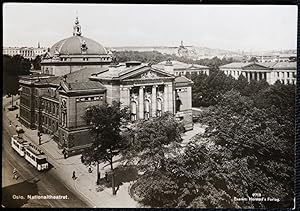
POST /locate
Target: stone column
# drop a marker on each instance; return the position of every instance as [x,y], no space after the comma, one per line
[128,96]
[166,98]
[268,78]
[153,107]
[170,99]
[141,102]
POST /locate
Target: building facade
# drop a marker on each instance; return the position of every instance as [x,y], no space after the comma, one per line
[81,74]
[180,68]
[285,72]
[26,52]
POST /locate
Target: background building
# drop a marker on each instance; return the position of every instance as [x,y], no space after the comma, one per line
[180,68]
[285,72]
[26,52]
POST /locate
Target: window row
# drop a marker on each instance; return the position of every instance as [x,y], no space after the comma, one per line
[50,123]
[84,99]
[50,108]
[24,101]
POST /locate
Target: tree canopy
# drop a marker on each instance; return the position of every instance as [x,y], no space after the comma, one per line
[13,67]
[107,141]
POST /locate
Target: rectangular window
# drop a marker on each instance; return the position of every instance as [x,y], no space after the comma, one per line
[288,74]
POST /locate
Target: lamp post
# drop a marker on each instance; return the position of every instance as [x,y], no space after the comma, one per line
[39,121]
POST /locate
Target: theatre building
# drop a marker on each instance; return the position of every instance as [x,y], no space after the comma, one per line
[78,72]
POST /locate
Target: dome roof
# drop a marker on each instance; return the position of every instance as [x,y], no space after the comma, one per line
[73,46]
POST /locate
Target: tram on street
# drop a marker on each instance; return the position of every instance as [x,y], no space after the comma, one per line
[36,157]
[19,144]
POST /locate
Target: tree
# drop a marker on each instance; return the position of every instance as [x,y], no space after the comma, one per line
[240,153]
[37,62]
[13,67]
[250,155]
[108,142]
[153,141]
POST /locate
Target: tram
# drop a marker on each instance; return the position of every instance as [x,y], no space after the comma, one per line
[36,157]
[18,144]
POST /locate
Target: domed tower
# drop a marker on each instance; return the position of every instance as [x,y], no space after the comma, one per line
[182,50]
[74,53]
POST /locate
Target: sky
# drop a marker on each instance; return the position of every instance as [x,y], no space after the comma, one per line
[232,27]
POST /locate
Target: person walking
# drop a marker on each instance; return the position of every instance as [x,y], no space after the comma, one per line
[15,176]
[74,176]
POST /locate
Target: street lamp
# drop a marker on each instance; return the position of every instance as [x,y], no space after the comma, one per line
[39,121]
[40,139]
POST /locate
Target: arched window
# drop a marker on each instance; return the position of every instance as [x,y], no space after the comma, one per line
[133,109]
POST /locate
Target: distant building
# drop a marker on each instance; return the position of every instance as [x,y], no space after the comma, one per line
[26,52]
[183,51]
[285,72]
[78,72]
[180,68]
[274,58]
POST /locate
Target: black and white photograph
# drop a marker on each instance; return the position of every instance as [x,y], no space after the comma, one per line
[148,105]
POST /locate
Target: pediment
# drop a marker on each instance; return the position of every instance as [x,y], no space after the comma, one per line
[146,73]
[255,66]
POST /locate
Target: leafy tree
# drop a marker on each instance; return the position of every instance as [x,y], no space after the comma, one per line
[153,141]
[106,121]
[250,155]
[207,90]
[240,153]
[37,62]
[13,67]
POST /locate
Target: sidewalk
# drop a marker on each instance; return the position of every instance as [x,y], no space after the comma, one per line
[189,135]
[85,184]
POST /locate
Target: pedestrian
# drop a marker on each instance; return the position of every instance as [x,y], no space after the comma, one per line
[15,176]
[65,153]
[74,176]
[106,176]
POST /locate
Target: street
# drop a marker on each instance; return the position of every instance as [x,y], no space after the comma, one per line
[30,181]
